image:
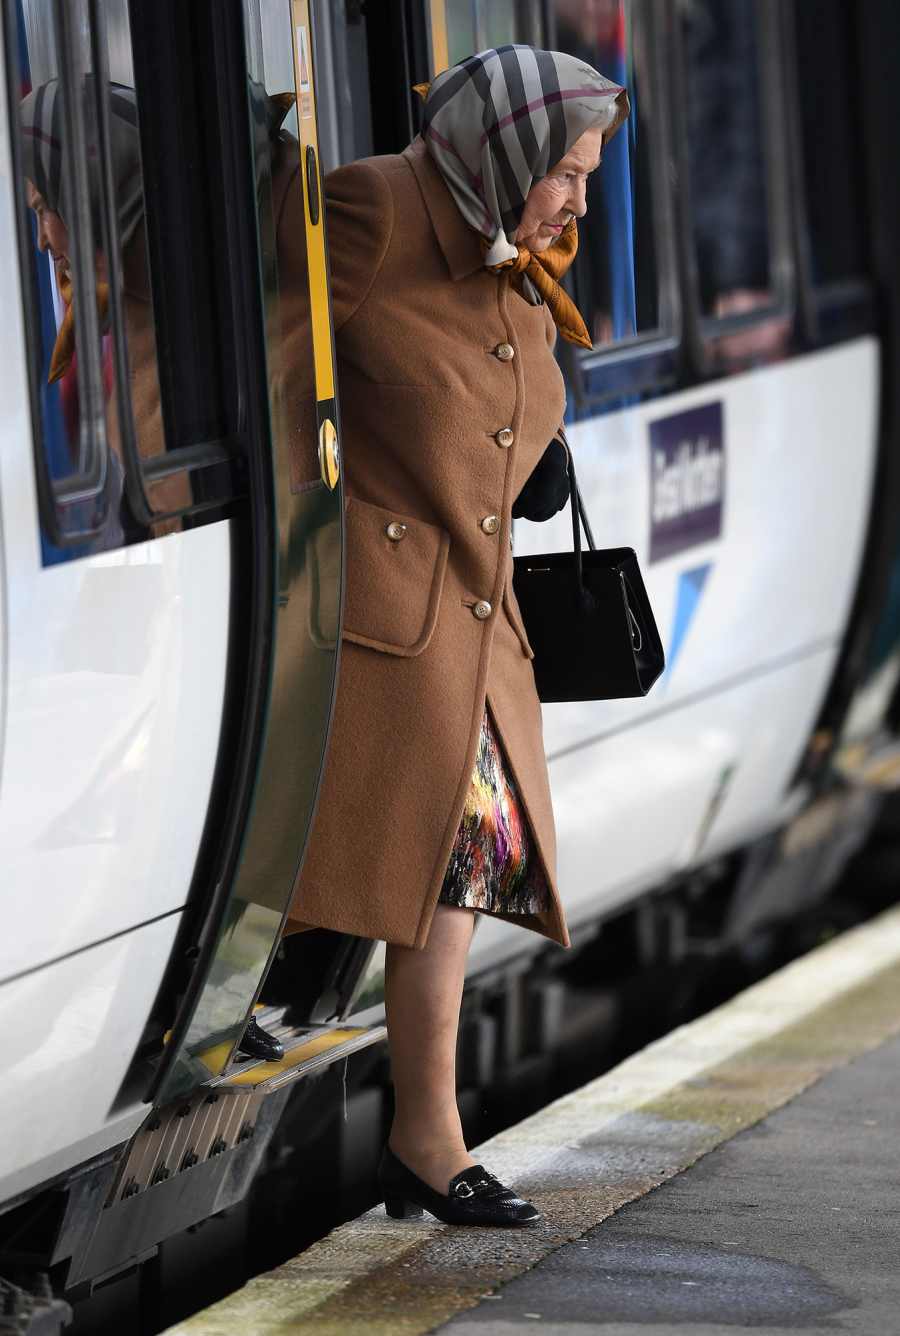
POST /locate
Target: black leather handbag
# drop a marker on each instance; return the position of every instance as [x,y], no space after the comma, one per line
[588,618]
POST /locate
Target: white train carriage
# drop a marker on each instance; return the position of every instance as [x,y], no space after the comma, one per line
[165,687]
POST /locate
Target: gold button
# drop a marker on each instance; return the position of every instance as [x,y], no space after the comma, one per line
[482,609]
[395,531]
[490,523]
[505,351]
[505,437]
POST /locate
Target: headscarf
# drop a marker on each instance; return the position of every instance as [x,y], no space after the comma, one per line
[42,121]
[41,116]
[495,125]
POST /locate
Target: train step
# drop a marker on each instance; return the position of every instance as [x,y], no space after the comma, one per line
[306,1049]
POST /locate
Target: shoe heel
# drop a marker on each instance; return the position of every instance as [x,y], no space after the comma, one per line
[398,1208]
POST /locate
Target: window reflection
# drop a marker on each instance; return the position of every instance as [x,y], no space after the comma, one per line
[62,109]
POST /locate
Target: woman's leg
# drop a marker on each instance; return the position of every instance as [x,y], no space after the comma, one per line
[423,991]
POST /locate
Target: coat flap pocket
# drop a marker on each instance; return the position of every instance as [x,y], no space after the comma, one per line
[395,572]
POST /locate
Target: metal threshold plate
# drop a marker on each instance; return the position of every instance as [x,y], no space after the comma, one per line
[306,1052]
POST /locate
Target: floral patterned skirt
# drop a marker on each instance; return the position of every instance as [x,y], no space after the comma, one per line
[494,865]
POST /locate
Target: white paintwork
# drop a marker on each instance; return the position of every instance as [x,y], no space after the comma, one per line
[116,670]
[633,780]
[116,680]
[69,1032]
[4,641]
[800,443]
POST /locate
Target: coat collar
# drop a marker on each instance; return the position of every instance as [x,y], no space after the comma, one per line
[458,241]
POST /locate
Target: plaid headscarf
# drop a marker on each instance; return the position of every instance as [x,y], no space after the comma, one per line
[42,121]
[496,124]
[42,118]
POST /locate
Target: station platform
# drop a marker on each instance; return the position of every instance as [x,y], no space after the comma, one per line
[741,1173]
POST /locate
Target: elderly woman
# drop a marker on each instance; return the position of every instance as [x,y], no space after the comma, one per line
[435,802]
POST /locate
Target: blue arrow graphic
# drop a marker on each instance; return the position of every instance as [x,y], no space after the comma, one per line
[690,587]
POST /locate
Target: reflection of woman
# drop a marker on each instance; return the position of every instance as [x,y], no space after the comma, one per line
[41,116]
[435,800]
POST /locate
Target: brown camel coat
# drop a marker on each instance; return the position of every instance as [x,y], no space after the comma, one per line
[429,396]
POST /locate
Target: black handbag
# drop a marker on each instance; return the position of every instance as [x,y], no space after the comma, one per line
[588,618]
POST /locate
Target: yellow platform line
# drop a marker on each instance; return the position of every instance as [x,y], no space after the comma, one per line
[591,1152]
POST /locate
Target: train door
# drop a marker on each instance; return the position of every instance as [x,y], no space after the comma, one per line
[172,531]
[302,405]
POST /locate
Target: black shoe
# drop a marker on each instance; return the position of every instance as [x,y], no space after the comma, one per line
[475,1196]
[256,1043]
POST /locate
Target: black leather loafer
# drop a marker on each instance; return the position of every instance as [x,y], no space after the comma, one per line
[256,1043]
[475,1197]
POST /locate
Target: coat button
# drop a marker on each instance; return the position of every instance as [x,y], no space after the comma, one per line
[505,437]
[490,523]
[395,531]
[482,610]
[505,351]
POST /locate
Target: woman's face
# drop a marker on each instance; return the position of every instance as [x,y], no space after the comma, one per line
[52,233]
[561,194]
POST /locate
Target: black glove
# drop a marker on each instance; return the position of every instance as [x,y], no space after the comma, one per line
[547,490]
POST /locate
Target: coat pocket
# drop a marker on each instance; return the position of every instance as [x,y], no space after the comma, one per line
[395,573]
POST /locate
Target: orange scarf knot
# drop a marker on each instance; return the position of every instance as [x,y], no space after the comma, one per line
[545,269]
[64,347]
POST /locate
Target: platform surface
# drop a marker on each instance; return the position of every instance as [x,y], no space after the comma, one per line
[742,1173]
[792,1225]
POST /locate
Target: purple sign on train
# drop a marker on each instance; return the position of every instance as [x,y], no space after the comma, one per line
[687,479]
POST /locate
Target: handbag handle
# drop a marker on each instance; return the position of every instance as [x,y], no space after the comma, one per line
[579,512]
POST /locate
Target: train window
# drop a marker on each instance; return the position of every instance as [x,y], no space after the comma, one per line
[831,140]
[125,447]
[738,217]
[726,146]
[624,275]
[475,25]
[56,154]
[615,271]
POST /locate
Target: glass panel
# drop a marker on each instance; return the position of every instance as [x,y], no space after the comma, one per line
[475,25]
[80,139]
[832,160]
[726,151]
[462,29]
[342,87]
[306,635]
[72,360]
[499,24]
[614,277]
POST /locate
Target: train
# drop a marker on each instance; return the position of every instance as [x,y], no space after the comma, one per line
[171,596]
